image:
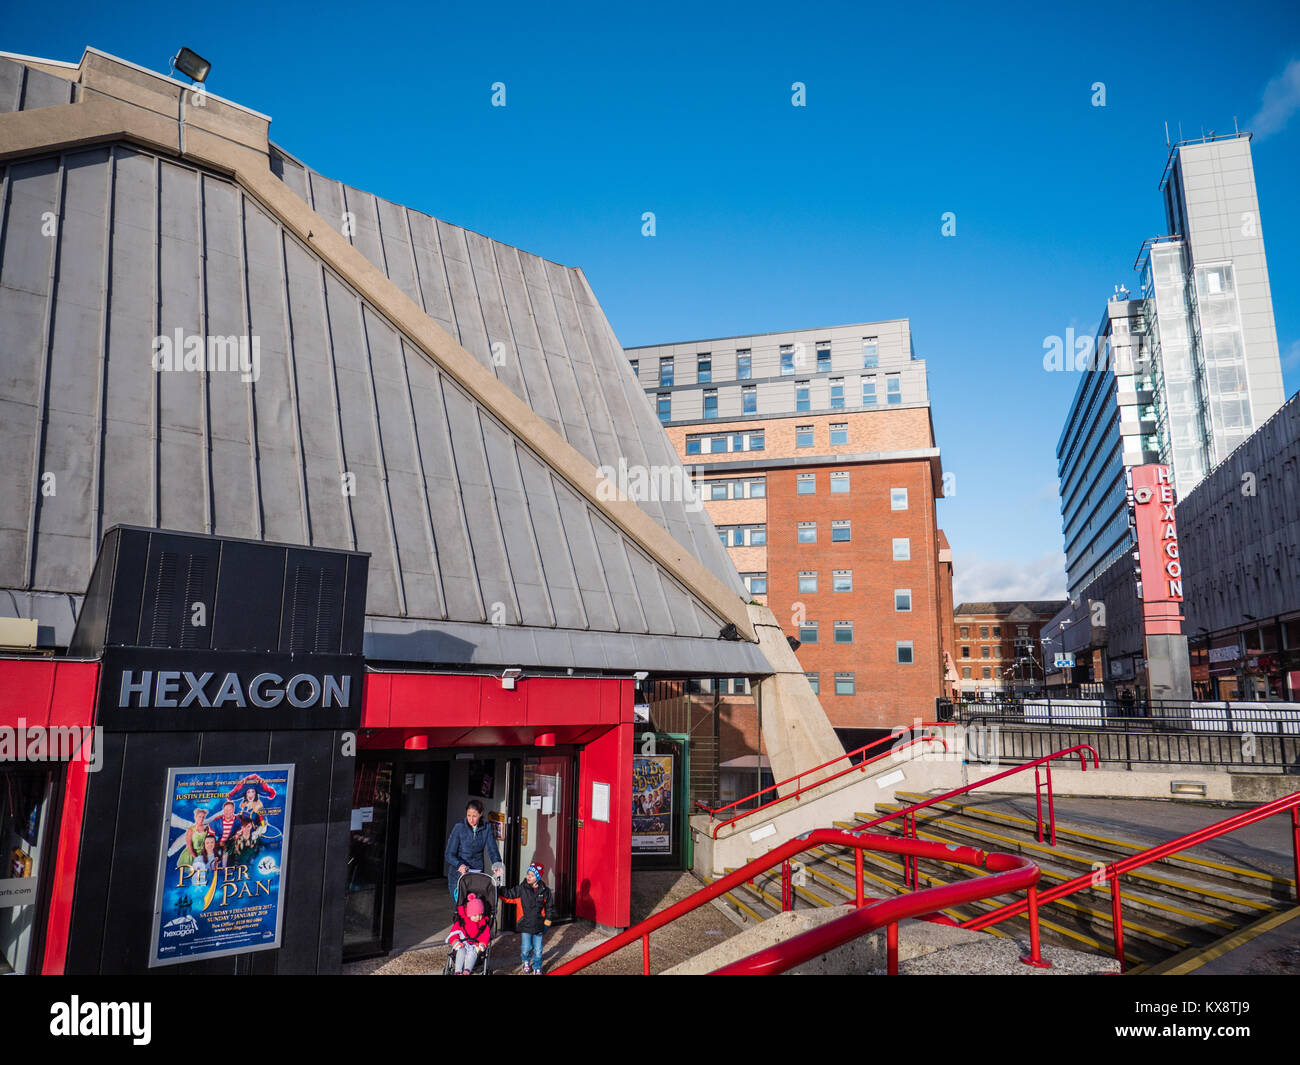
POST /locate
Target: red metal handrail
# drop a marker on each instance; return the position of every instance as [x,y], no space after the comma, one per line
[1011,873]
[909,812]
[1115,870]
[860,767]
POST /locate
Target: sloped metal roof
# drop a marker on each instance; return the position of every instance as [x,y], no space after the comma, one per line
[350,436]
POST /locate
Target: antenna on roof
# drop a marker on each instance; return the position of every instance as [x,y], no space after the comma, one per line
[1166,133]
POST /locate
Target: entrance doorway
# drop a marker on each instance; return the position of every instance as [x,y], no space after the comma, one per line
[404,805]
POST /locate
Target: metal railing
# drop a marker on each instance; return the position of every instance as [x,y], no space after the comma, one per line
[1112,873]
[797,780]
[1157,716]
[1009,873]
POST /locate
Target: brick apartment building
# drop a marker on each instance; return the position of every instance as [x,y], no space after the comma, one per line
[815,457]
[998,646]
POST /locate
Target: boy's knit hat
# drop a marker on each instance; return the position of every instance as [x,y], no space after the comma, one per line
[474,906]
[537,869]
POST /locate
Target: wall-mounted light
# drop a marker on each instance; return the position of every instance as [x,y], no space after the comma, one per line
[509,677]
[640,675]
[545,739]
[1188,787]
[192,65]
[416,743]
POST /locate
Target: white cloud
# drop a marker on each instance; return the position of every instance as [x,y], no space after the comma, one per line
[979,580]
[1280,101]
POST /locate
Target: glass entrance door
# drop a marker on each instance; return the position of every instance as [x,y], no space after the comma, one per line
[368,900]
[545,819]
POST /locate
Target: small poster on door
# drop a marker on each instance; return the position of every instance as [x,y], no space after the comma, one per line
[652,804]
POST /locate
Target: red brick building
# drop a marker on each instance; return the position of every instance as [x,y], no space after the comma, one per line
[998,646]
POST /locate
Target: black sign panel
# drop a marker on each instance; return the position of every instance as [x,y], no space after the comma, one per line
[152,690]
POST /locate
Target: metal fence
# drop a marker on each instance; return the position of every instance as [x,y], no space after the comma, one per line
[1160,716]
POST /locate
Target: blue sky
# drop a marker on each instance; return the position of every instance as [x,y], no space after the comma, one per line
[774,217]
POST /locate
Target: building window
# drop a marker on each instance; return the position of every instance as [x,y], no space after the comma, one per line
[758,536]
[1022,630]
[842,580]
[837,393]
[839,433]
[787,360]
[801,399]
[843,683]
[997,632]
[824,356]
[904,649]
[721,443]
[743,362]
[965,632]
[898,499]
[807,532]
[666,412]
[749,399]
[808,632]
[870,354]
[984,652]
[841,532]
[844,632]
[742,535]
[665,371]
[719,490]
[902,549]
[704,368]
[984,632]
[868,391]
[965,652]
[694,445]
[807,484]
[893,388]
[803,436]
[965,673]
[986,673]
[757,489]
[636,367]
[840,483]
[755,582]
[755,442]
[710,402]
[814,682]
[807,581]
[903,599]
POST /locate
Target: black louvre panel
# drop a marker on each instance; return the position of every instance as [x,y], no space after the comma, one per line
[328,622]
[196,572]
[303,607]
[164,601]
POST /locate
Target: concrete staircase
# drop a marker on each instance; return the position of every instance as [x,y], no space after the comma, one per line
[1170,906]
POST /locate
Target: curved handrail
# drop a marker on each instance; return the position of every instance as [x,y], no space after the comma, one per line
[860,767]
[1112,872]
[1012,873]
[1045,760]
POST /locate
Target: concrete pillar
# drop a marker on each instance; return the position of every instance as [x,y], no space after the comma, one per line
[1169,668]
[796,731]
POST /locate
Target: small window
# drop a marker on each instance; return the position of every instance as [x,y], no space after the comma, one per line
[904,649]
[802,402]
[808,581]
[965,651]
[903,599]
[868,391]
[756,583]
[665,371]
[787,360]
[806,484]
[749,399]
[902,549]
[842,580]
[803,436]
[839,434]
[743,372]
[870,353]
[807,531]
[758,535]
[893,388]
[636,367]
[898,499]
[984,652]
[965,673]
[666,415]
[965,632]
[718,490]
[984,632]
[808,632]
[693,443]
[704,369]
[824,356]
[840,483]
[986,673]
[844,632]
[1022,630]
[837,393]
[755,441]
[814,682]
[997,632]
[757,489]
[841,532]
[710,402]
[843,683]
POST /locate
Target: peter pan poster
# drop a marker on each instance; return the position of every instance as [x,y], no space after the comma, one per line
[223,849]
[652,804]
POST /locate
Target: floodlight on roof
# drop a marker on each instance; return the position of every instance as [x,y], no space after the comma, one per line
[192,65]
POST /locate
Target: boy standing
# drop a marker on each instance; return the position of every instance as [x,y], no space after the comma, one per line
[534,905]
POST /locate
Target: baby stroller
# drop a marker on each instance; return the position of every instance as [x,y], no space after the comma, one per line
[485,887]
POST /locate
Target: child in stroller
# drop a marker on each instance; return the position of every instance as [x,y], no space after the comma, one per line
[470,941]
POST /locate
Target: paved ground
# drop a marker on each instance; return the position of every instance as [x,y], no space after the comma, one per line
[1263,847]
[422,922]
